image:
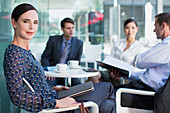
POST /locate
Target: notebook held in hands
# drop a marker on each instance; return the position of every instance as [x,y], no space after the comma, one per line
[76,90]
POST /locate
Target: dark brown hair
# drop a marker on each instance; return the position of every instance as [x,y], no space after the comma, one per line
[66,20]
[163,17]
[20,9]
[130,20]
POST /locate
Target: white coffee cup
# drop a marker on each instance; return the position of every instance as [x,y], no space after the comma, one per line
[73,63]
[62,67]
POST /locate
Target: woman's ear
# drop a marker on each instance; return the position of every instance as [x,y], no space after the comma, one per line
[13,23]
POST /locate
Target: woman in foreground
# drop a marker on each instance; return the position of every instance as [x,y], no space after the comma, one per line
[19,64]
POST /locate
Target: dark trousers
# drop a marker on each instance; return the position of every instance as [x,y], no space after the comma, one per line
[103,96]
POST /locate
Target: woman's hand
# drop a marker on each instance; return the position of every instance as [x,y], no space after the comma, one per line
[50,78]
[66,102]
[102,65]
[57,89]
[114,74]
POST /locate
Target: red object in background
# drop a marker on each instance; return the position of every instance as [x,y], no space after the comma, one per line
[94,17]
[6,17]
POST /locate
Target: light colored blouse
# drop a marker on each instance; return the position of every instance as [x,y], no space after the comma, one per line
[130,55]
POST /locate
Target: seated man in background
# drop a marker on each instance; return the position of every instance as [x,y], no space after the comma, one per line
[61,49]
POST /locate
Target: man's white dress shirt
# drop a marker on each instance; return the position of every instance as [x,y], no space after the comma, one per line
[156,61]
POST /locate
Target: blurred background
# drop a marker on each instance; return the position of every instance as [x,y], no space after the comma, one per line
[99,23]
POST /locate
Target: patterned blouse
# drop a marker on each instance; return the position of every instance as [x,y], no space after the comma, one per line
[19,63]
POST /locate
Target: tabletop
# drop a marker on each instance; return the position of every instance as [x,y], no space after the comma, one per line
[70,73]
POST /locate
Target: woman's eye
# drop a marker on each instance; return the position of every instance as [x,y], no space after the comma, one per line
[35,22]
[25,21]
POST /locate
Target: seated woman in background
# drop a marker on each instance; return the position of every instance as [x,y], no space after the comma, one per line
[126,50]
[20,64]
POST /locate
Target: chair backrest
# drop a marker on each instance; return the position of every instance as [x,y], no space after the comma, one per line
[123,109]
[92,52]
[37,50]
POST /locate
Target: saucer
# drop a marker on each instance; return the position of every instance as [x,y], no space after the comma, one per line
[77,67]
[56,70]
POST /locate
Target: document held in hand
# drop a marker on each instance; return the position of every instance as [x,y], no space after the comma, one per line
[76,90]
[124,68]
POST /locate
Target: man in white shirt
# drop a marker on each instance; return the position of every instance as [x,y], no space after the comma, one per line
[156,61]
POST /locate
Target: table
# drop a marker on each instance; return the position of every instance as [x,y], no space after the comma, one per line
[70,73]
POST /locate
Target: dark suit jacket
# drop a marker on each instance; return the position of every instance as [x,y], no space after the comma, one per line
[52,53]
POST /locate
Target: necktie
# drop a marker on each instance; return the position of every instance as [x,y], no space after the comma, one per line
[64,54]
